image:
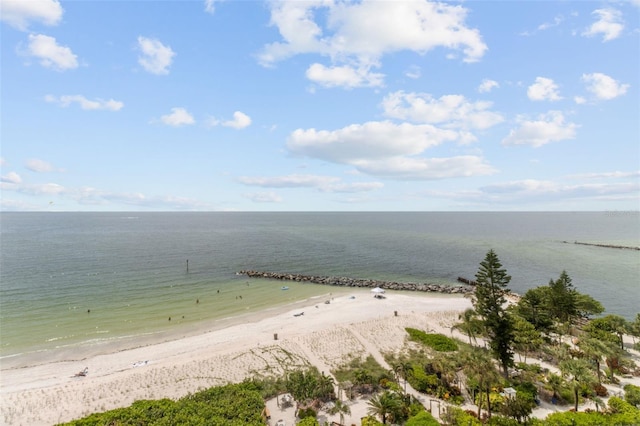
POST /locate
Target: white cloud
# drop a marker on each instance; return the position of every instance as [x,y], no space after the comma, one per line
[412,168]
[608,175]
[50,53]
[289,181]
[39,189]
[371,140]
[413,72]
[386,149]
[359,34]
[549,127]
[544,89]
[178,117]
[19,13]
[240,121]
[343,76]
[11,177]
[352,188]
[263,197]
[41,166]
[210,5]
[609,24]
[533,190]
[488,85]
[98,104]
[94,196]
[451,111]
[321,183]
[603,86]
[556,21]
[156,58]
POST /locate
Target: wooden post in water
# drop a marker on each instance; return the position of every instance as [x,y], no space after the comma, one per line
[187,266]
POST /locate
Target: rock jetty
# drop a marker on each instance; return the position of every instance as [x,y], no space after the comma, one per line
[604,245]
[364,283]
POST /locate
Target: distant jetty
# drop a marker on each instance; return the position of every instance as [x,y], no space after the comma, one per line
[363,283]
[603,245]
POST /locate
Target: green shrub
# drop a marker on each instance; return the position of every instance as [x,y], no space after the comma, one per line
[618,405]
[527,388]
[423,418]
[570,418]
[421,381]
[307,412]
[231,405]
[308,421]
[436,341]
[370,421]
[632,394]
[457,416]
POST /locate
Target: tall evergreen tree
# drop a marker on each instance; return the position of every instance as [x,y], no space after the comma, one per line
[489,303]
[533,306]
[563,303]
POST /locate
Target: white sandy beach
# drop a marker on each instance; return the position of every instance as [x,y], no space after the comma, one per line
[326,336]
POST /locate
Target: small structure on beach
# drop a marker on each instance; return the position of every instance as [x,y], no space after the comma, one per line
[509,393]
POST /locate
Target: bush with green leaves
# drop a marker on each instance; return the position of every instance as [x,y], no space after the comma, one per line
[437,342]
[423,418]
[457,416]
[421,381]
[571,418]
[632,394]
[304,413]
[308,421]
[519,407]
[232,405]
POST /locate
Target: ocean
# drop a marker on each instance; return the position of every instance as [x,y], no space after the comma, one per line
[70,280]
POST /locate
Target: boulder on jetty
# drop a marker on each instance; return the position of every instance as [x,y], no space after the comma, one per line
[358,282]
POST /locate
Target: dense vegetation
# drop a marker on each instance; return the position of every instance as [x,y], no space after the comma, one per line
[551,323]
[233,405]
[437,342]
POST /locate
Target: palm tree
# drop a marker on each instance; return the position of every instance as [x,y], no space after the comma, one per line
[446,366]
[386,405]
[325,386]
[598,402]
[402,369]
[579,373]
[341,408]
[595,350]
[555,382]
[479,366]
[470,324]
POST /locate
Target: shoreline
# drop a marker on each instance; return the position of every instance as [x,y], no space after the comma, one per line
[136,341]
[229,351]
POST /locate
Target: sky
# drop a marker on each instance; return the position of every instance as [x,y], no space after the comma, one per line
[320,105]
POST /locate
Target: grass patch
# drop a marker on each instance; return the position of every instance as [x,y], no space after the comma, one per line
[437,342]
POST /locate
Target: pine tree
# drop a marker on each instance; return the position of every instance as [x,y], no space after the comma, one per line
[489,303]
[563,304]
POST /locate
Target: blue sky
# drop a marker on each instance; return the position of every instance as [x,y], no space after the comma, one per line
[320,105]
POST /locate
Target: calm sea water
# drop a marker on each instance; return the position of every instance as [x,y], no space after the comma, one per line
[71,279]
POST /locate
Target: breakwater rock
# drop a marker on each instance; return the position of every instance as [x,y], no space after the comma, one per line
[604,245]
[356,282]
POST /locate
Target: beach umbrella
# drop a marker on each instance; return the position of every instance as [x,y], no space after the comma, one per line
[377,290]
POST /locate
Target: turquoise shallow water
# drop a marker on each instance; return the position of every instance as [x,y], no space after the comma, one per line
[129,269]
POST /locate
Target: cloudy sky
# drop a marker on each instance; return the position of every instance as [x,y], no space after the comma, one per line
[320,105]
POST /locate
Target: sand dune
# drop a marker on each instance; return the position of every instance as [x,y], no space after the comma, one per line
[326,336]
